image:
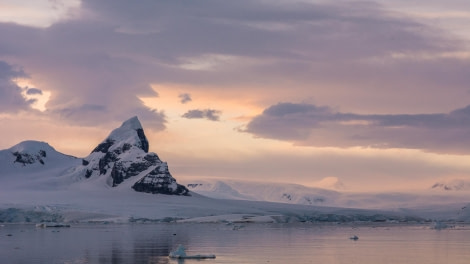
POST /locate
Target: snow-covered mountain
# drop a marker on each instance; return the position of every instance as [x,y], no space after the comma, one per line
[121,160]
[31,155]
[263,191]
[452,185]
[312,196]
[35,164]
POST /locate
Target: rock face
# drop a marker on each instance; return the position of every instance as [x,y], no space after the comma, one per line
[123,156]
[159,180]
[26,158]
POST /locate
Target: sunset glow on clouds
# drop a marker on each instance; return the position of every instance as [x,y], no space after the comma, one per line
[373,93]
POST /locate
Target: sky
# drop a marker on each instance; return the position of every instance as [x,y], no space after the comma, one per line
[367,95]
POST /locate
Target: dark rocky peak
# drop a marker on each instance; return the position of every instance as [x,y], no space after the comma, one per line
[130,133]
[124,155]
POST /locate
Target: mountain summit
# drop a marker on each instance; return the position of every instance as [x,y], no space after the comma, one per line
[130,133]
[31,155]
[123,157]
[34,152]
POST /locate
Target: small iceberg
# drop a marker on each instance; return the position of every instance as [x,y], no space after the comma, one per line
[180,253]
[45,225]
[354,238]
[439,225]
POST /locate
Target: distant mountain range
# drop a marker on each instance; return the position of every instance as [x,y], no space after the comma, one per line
[298,194]
[122,159]
[452,185]
[263,191]
[121,181]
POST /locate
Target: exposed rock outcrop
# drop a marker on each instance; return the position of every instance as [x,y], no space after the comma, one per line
[26,158]
[157,181]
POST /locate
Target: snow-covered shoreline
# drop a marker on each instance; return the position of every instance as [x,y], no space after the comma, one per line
[118,207]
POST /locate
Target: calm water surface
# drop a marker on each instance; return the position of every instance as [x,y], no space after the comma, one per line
[248,243]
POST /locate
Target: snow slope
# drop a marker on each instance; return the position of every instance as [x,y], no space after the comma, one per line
[298,194]
[84,201]
[124,205]
[263,191]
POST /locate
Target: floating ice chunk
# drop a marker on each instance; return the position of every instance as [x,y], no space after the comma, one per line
[45,225]
[439,225]
[180,253]
[238,227]
[354,237]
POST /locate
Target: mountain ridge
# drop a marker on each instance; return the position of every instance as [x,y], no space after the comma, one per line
[122,156]
[453,185]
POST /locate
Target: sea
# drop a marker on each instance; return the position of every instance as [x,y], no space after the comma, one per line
[236,243]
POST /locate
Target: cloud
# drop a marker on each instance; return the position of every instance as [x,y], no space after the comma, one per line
[308,124]
[82,78]
[11,99]
[32,91]
[110,52]
[185,97]
[37,13]
[103,115]
[209,114]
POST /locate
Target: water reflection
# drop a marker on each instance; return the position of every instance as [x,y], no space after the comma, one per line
[164,260]
[255,243]
[138,244]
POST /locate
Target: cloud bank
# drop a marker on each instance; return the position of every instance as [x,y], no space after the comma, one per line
[308,124]
[11,99]
[98,63]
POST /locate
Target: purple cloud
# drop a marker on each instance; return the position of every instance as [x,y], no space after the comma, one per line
[209,114]
[369,55]
[308,124]
[11,99]
[32,91]
[185,97]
